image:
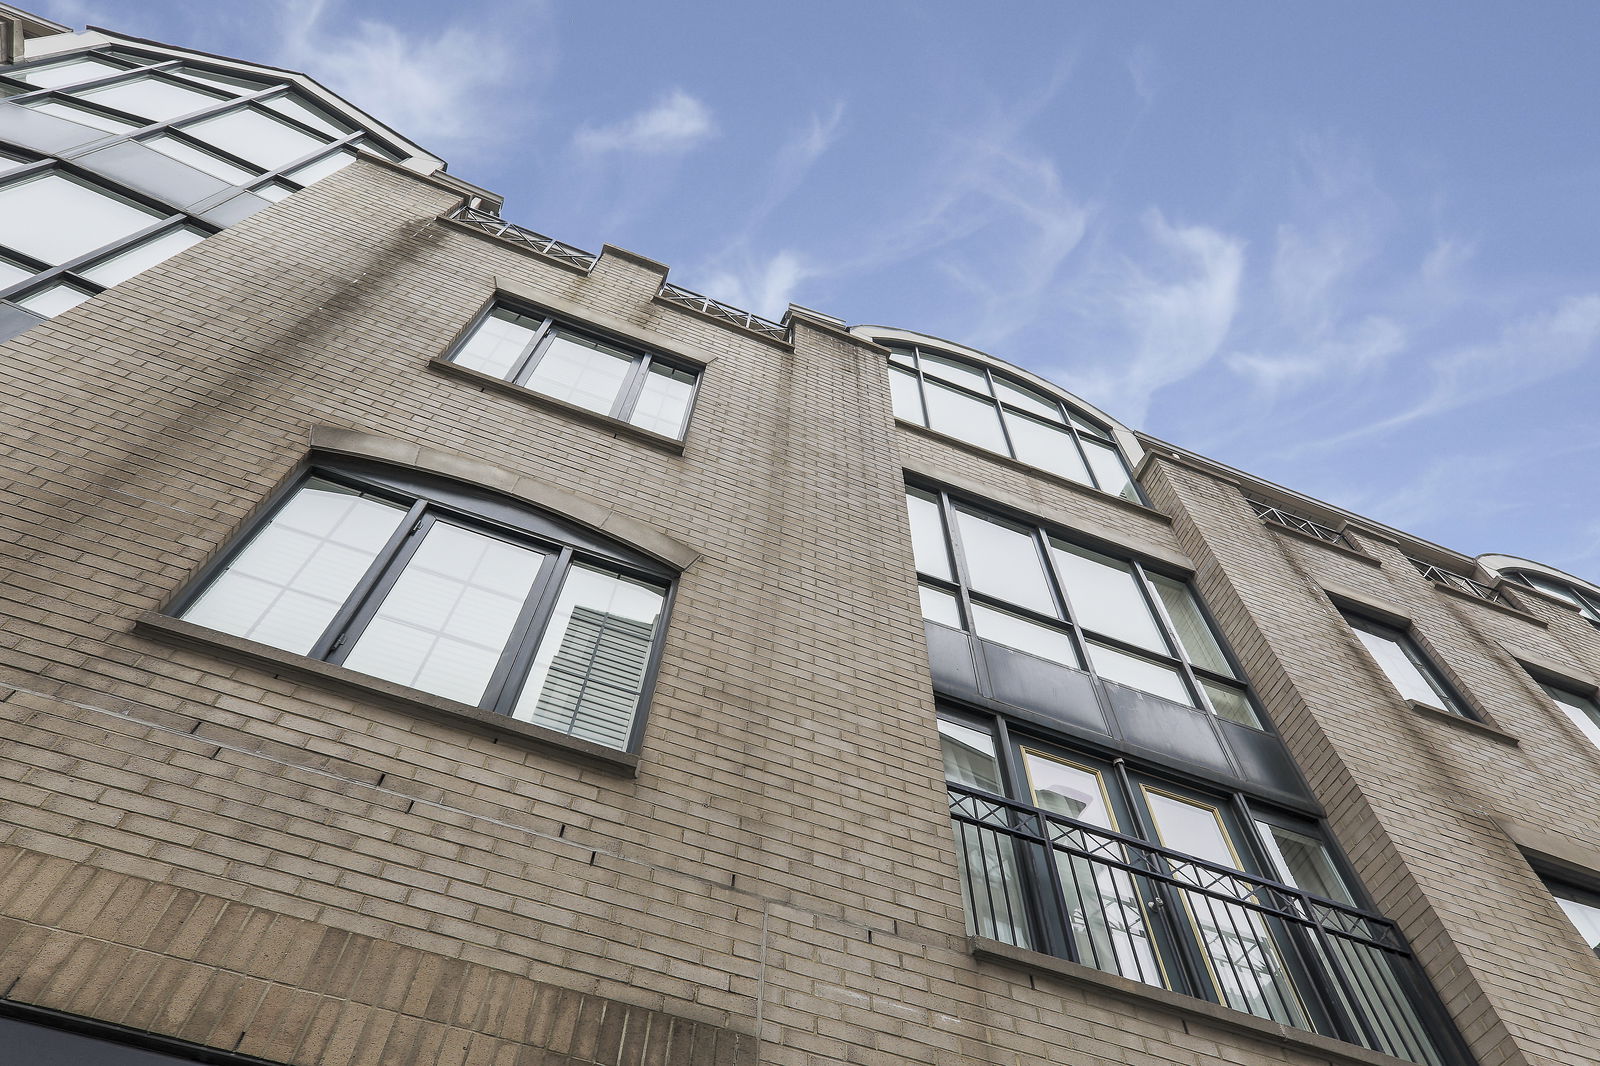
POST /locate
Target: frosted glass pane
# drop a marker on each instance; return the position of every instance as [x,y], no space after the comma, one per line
[907,397]
[314,117]
[580,371]
[55,218]
[255,137]
[143,256]
[1109,471]
[1002,561]
[285,586]
[1199,643]
[316,170]
[445,622]
[972,420]
[940,606]
[1024,635]
[590,669]
[154,98]
[1046,447]
[1105,596]
[1400,670]
[1142,674]
[927,535]
[185,152]
[53,300]
[664,400]
[953,370]
[1021,396]
[68,73]
[498,342]
[82,115]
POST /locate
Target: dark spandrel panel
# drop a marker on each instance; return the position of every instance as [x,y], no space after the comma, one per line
[950,661]
[45,134]
[1058,692]
[1263,760]
[15,320]
[39,1045]
[1168,729]
[133,166]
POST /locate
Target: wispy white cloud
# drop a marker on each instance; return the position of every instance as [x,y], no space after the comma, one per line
[672,125]
[765,285]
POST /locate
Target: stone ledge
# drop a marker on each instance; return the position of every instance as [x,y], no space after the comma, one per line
[162,628]
[1504,608]
[1471,725]
[1335,1051]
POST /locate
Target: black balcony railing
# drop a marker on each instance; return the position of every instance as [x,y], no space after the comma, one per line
[1051,884]
[1299,523]
[677,294]
[496,226]
[1459,582]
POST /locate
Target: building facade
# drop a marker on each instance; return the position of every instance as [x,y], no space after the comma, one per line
[423,641]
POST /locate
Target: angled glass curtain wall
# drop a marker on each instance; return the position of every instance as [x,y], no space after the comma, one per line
[66,235]
[985,407]
[1042,594]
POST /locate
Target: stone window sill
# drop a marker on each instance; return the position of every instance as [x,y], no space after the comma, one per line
[162,628]
[1471,725]
[1336,1052]
[615,426]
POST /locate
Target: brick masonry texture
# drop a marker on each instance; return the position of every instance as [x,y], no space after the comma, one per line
[241,856]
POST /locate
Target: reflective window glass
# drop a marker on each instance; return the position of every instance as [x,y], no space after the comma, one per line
[1230,702]
[153,97]
[498,343]
[581,371]
[230,84]
[927,535]
[118,268]
[212,164]
[1189,623]
[69,73]
[1024,634]
[1109,470]
[969,757]
[906,396]
[1140,673]
[1030,400]
[1068,790]
[297,109]
[1398,659]
[84,116]
[1304,862]
[663,401]
[1105,596]
[965,417]
[1582,711]
[256,137]
[955,370]
[53,300]
[11,273]
[1003,562]
[1046,446]
[56,218]
[1582,908]
[940,606]
[276,191]
[318,169]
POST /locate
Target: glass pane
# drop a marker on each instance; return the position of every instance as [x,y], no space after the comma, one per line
[445,621]
[1404,674]
[276,191]
[1030,400]
[499,341]
[233,86]
[11,273]
[581,371]
[318,169]
[255,137]
[155,98]
[906,395]
[1304,862]
[955,370]
[184,152]
[664,400]
[1024,634]
[68,73]
[285,586]
[927,535]
[1585,916]
[1230,703]
[1106,462]
[1105,595]
[1067,790]
[1154,678]
[1198,642]
[53,300]
[1046,447]
[1002,561]
[1582,711]
[968,418]
[940,606]
[590,670]
[902,357]
[969,757]
[315,117]
[142,256]
[1085,426]
[56,218]
[82,115]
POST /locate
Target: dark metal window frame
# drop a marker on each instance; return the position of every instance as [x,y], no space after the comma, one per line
[1563,887]
[1079,635]
[527,361]
[1074,423]
[427,500]
[122,1036]
[1455,702]
[1585,602]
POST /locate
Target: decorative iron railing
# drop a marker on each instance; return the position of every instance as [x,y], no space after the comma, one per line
[1052,884]
[496,226]
[1299,523]
[677,294]
[1459,582]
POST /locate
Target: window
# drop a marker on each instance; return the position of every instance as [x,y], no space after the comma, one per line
[1406,667]
[1582,907]
[455,593]
[1043,594]
[997,413]
[1586,603]
[537,352]
[1580,708]
[1166,883]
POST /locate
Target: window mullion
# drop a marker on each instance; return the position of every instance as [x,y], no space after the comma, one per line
[526,363]
[511,673]
[1000,414]
[384,570]
[632,386]
[310,157]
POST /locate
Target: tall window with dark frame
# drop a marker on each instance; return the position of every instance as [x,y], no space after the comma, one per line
[66,235]
[1580,707]
[1582,908]
[451,592]
[985,407]
[1406,666]
[549,357]
[1043,594]
[1169,884]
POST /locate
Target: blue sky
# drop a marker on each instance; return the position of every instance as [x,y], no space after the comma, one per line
[1348,247]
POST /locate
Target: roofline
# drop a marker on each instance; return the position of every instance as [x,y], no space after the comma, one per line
[33,25]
